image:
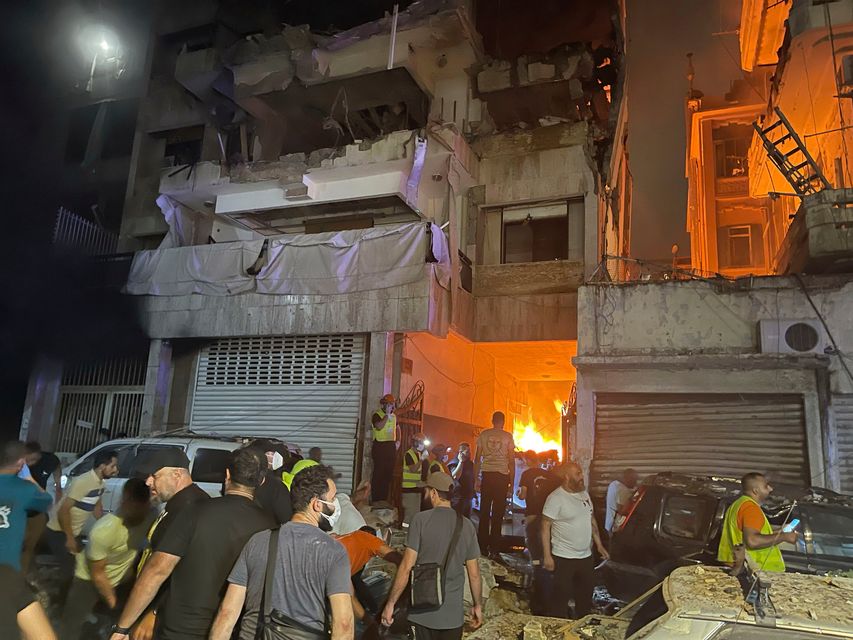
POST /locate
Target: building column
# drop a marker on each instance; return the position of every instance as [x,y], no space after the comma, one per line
[158,381]
[582,441]
[377,382]
[42,402]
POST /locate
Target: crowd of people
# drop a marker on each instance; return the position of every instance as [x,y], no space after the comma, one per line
[281,553]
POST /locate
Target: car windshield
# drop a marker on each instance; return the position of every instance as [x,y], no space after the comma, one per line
[832,531]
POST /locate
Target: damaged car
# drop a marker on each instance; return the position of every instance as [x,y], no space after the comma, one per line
[675,520]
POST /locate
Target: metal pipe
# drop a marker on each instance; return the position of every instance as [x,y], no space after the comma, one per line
[393,43]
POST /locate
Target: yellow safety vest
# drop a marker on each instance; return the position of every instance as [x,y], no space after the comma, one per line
[389,432]
[438,465]
[411,478]
[769,559]
[146,553]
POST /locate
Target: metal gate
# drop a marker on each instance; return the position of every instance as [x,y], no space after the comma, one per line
[98,402]
[842,405]
[303,389]
[700,434]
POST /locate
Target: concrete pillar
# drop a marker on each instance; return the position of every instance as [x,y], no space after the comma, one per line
[41,406]
[158,381]
[583,439]
[377,382]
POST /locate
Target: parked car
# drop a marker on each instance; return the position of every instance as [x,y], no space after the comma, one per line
[208,457]
[676,520]
[705,602]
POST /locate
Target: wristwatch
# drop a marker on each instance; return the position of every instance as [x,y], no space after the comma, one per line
[122,631]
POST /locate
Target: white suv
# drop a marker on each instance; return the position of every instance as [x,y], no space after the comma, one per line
[208,457]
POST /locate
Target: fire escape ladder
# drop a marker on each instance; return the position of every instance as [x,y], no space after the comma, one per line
[787,151]
[410,419]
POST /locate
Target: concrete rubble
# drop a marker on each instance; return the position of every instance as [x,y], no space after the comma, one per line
[510,626]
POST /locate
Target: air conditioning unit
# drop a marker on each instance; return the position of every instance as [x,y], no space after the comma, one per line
[793,336]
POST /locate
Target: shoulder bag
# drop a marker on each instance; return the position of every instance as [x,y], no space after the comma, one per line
[272,623]
[427,581]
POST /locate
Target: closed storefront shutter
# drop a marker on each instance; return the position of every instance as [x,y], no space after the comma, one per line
[699,434]
[305,390]
[842,405]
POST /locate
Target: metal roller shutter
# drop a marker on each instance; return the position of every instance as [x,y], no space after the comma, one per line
[303,389]
[707,434]
[842,405]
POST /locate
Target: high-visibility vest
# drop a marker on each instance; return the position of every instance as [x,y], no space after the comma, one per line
[287,477]
[438,465]
[411,478]
[146,553]
[388,433]
[769,559]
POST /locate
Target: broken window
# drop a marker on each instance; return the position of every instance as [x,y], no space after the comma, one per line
[538,233]
[731,156]
[685,517]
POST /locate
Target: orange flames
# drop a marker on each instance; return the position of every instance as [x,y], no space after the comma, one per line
[529,436]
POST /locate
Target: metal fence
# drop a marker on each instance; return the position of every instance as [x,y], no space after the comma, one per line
[74,232]
[99,401]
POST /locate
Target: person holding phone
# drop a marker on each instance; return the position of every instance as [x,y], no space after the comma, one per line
[746,524]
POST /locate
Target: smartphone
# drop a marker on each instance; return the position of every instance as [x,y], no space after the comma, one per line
[793,524]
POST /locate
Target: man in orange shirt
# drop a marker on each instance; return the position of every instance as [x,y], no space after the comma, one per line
[361,546]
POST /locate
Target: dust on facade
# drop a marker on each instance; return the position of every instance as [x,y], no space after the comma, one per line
[437,204]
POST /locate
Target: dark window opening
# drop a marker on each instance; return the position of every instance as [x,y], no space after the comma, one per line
[80,123]
[119,129]
[685,517]
[209,465]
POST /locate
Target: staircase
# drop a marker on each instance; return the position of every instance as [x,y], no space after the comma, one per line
[410,419]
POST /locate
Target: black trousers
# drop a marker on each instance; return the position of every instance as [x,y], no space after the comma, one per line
[425,633]
[67,562]
[81,601]
[572,578]
[384,454]
[493,490]
[462,506]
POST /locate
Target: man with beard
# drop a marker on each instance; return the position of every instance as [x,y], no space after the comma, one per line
[169,479]
[310,568]
[198,551]
[568,532]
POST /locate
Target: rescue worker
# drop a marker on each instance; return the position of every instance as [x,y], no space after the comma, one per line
[412,485]
[386,436]
[745,524]
[437,455]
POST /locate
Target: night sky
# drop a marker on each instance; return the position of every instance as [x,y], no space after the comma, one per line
[660,34]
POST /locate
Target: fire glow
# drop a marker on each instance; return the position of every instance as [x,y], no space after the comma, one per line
[528,436]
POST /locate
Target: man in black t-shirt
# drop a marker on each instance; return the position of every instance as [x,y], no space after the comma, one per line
[43,466]
[198,551]
[272,496]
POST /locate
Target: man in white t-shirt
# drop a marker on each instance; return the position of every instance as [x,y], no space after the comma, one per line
[619,492]
[568,531]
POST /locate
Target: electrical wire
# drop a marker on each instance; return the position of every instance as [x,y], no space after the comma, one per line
[826,328]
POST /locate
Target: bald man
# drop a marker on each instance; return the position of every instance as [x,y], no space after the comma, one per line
[746,524]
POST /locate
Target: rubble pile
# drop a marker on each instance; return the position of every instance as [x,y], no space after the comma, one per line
[511,626]
[502,601]
[596,628]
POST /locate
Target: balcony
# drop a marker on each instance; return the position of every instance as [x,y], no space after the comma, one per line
[820,238]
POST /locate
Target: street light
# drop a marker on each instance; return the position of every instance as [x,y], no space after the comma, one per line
[101,45]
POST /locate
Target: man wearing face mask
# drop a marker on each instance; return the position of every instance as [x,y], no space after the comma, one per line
[198,551]
[412,485]
[311,568]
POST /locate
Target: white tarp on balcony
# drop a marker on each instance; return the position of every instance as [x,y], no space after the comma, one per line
[307,264]
[209,269]
[345,261]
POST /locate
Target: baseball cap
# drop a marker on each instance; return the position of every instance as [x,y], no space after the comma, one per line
[440,481]
[166,457]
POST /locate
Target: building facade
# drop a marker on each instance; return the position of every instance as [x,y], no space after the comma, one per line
[408,205]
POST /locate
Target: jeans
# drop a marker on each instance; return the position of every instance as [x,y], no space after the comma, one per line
[572,578]
[493,492]
[411,504]
[384,455]
[67,562]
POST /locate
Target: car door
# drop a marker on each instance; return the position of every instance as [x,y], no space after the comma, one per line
[827,542]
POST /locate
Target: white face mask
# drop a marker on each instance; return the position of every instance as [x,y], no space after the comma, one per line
[277,460]
[336,514]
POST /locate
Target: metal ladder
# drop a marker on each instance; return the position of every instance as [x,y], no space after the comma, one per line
[791,157]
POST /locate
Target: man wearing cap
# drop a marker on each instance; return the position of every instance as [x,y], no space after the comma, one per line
[168,472]
[430,537]
[386,435]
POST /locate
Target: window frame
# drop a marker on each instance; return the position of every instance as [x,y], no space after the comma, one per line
[568,245]
[195,459]
[702,535]
[739,232]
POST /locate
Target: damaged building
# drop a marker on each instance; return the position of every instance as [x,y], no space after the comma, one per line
[741,362]
[326,206]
